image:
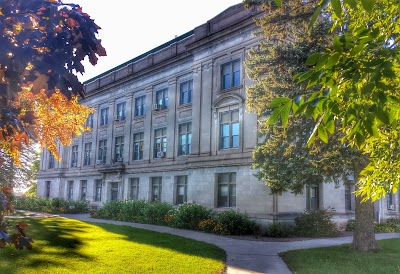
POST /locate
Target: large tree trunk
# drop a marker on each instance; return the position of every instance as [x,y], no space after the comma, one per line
[364,234]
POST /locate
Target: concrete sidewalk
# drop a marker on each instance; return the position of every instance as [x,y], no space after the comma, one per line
[242,256]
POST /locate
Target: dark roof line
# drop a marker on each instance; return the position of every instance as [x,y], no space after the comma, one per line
[137,58]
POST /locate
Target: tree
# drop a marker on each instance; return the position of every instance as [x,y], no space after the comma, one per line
[283,160]
[43,44]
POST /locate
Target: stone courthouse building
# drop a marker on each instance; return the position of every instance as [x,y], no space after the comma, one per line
[171,125]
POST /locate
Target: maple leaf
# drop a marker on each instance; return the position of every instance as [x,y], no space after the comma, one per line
[7,190]
[21,226]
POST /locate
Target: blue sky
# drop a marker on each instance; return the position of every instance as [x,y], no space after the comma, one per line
[130,28]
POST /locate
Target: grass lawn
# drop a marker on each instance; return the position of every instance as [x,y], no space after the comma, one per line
[71,246]
[341,259]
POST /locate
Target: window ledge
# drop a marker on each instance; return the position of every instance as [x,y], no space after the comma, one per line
[139,118]
[230,89]
[185,106]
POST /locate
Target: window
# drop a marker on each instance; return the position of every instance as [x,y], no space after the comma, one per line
[313,197]
[390,201]
[181,190]
[134,195]
[70,190]
[114,191]
[138,139]
[104,117]
[230,74]
[121,111]
[160,142]
[140,106]
[74,156]
[47,194]
[162,99]
[186,92]
[227,190]
[119,149]
[156,188]
[185,139]
[88,153]
[89,121]
[229,129]
[102,151]
[51,160]
[83,189]
[347,197]
[97,194]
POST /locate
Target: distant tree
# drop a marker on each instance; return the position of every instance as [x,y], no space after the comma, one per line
[284,161]
[43,44]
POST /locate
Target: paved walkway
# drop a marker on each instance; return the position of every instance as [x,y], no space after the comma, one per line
[242,256]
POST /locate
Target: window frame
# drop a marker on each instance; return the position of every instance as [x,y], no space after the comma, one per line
[230,124]
[104,116]
[138,146]
[89,121]
[98,188]
[70,190]
[119,148]
[230,66]
[102,151]
[156,183]
[47,189]
[140,106]
[185,149]
[121,111]
[189,91]
[88,154]
[162,98]
[230,184]
[50,161]
[83,190]
[114,188]
[74,156]
[162,141]
[181,181]
[134,188]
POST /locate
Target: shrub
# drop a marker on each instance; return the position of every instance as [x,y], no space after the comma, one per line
[132,210]
[235,223]
[154,213]
[51,205]
[188,216]
[207,225]
[279,230]
[110,211]
[316,223]
[350,225]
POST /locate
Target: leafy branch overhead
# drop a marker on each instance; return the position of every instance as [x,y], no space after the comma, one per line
[43,44]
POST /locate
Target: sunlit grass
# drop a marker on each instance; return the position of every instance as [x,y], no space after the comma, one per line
[342,259]
[71,246]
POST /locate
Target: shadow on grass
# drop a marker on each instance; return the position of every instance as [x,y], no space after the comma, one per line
[166,241]
[58,240]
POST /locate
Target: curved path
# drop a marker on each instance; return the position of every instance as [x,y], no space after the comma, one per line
[242,256]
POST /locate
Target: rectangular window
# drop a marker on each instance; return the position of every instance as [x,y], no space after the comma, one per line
[134,195]
[390,201]
[114,191]
[47,194]
[227,190]
[140,106]
[51,161]
[313,197]
[121,111]
[162,99]
[156,188]
[138,141]
[89,121]
[88,154]
[104,116]
[70,190]
[119,149]
[83,189]
[185,139]
[102,155]
[160,142]
[229,129]
[97,194]
[347,197]
[186,92]
[74,156]
[230,74]
[181,190]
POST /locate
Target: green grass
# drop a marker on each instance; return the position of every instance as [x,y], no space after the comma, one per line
[70,246]
[342,259]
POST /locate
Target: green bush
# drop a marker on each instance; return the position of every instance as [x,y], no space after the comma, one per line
[51,205]
[350,225]
[155,212]
[316,223]
[132,210]
[279,230]
[235,223]
[110,211]
[188,216]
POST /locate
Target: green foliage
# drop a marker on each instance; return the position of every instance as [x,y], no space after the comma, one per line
[351,224]
[279,230]
[236,223]
[188,216]
[51,205]
[316,223]
[155,212]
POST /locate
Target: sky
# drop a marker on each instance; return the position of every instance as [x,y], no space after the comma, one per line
[130,28]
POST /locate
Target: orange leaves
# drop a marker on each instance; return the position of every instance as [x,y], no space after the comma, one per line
[22,138]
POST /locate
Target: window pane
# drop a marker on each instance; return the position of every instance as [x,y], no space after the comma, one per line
[225,117]
[232,195]
[223,195]
[226,82]
[235,115]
